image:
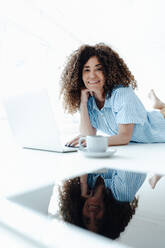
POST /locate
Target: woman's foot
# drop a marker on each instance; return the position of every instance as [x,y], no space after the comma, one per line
[153,180]
[157,103]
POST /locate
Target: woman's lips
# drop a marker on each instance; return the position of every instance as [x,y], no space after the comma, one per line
[94,209]
[94,82]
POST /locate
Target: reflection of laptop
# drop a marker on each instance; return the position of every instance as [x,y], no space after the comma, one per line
[32,121]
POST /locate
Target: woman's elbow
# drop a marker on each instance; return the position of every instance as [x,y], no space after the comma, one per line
[125,139]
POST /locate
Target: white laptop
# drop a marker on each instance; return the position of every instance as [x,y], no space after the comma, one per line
[33,123]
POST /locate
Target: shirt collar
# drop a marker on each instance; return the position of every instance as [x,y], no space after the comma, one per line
[107,103]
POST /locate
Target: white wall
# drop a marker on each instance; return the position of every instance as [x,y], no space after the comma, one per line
[36,36]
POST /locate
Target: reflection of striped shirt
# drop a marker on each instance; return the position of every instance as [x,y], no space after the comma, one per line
[124,107]
[123,184]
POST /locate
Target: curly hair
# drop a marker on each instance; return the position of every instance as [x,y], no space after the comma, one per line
[71,202]
[117,214]
[115,71]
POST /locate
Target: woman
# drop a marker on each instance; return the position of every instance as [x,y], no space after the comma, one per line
[100,202]
[98,83]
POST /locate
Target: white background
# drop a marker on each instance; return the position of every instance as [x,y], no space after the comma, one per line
[36,36]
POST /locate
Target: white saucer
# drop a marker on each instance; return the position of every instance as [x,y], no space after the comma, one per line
[108,153]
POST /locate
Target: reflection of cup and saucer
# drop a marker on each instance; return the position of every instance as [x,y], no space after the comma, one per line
[96,147]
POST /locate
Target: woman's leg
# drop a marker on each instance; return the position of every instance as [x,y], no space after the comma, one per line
[154,179]
[157,103]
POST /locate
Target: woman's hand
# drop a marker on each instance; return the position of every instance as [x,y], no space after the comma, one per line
[75,142]
[85,125]
[86,196]
[85,93]
[84,187]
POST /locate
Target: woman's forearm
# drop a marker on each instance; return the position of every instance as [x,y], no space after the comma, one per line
[118,140]
[124,136]
[85,125]
[83,184]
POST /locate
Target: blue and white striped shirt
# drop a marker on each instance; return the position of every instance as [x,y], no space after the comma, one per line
[123,184]
[124,107]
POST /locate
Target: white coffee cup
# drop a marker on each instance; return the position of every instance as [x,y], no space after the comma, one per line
[96,143]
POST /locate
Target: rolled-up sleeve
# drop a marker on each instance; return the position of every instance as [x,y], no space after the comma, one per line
[127,107]
[124,184]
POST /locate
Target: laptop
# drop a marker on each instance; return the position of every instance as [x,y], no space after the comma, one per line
[33,123]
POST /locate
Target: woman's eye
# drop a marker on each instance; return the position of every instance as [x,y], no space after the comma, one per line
[100,69]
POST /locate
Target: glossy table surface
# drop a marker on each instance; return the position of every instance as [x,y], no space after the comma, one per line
[23,170]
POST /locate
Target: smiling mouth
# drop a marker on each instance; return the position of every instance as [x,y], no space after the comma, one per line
[93,82]
[93,207]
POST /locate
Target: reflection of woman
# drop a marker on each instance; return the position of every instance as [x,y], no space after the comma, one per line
[100,202]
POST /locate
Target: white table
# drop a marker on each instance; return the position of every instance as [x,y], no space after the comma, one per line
[23,170]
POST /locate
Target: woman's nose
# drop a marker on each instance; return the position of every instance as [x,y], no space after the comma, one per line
[92,74]
[92,215]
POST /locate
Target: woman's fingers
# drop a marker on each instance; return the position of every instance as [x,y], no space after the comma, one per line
[85,93]
[91,93]
[87,195]
[75,142]
[83,143]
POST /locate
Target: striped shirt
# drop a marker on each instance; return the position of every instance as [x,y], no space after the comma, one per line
[123,184]
[124,107]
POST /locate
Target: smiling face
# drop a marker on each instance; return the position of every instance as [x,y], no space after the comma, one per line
[93,76]
[93,210]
